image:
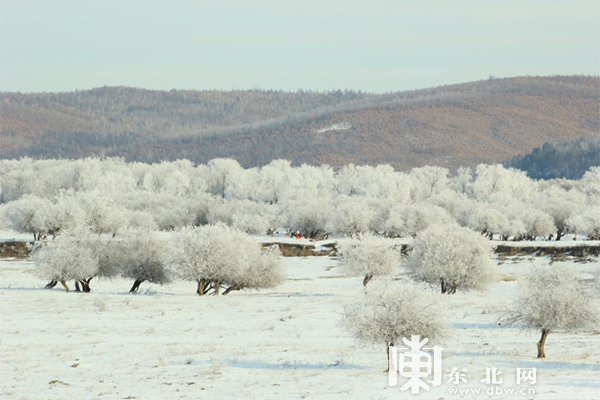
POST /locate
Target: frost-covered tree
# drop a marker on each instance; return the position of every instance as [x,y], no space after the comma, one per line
[223,174]
[412,219]
[463,180]
[30,214]
[428,181]
[352,215]
[586,223]
[560,204]
[143,258]
[67,257]
[537,224]
[218,256]
[453,257]
[310,216]
[590,184]
[552,299]
[369,256]
[102,213]
[245,215]
[390,312]
[487,220]
[273,180]
[495,180]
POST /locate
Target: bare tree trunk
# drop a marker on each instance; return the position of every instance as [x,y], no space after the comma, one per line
[136,285]
[87,285]
[388,357]
[202,287]
[368,277]
[231,289]
[541,343]
[77,288]
[65,286]
[217,288]
[51,284]
[444,288]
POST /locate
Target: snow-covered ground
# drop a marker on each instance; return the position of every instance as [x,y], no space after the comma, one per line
[285,343]
[340,126]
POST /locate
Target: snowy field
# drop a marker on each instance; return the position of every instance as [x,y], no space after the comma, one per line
[285,343]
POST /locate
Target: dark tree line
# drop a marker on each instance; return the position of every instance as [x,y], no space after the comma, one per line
[567,159]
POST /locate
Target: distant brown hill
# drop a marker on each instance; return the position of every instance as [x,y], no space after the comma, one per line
[464,124]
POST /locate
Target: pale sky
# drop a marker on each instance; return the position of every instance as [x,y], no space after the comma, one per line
[372,46]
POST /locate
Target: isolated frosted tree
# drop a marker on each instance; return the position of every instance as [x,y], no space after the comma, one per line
[369,256]
[67,257]
[551,299]
[453,257]
[390,312]
[218,256]
[143,258]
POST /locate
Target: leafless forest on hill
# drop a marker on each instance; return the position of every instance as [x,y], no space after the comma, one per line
[465,124]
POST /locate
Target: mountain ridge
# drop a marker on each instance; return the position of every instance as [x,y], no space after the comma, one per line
[462,124]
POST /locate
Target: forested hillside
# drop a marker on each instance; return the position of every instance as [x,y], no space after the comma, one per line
[566,159]
[464,124]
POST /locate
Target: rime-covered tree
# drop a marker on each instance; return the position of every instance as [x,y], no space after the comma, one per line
[560,204]
[428,181]
[537,224]
[310,216]
[30,214]
[412,219]
[218,256]
[487,220]
[453,257]
[223,174]
[586,223]
[553,299]
[369,256]
[351,216]
[390,312]
[143,258]
[67,257]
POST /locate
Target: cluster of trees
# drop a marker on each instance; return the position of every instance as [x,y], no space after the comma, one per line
[567,159]
[214,257]
[110,195]
[454,258]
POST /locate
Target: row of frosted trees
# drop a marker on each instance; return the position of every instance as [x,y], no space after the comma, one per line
[217,258]
[46,196]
